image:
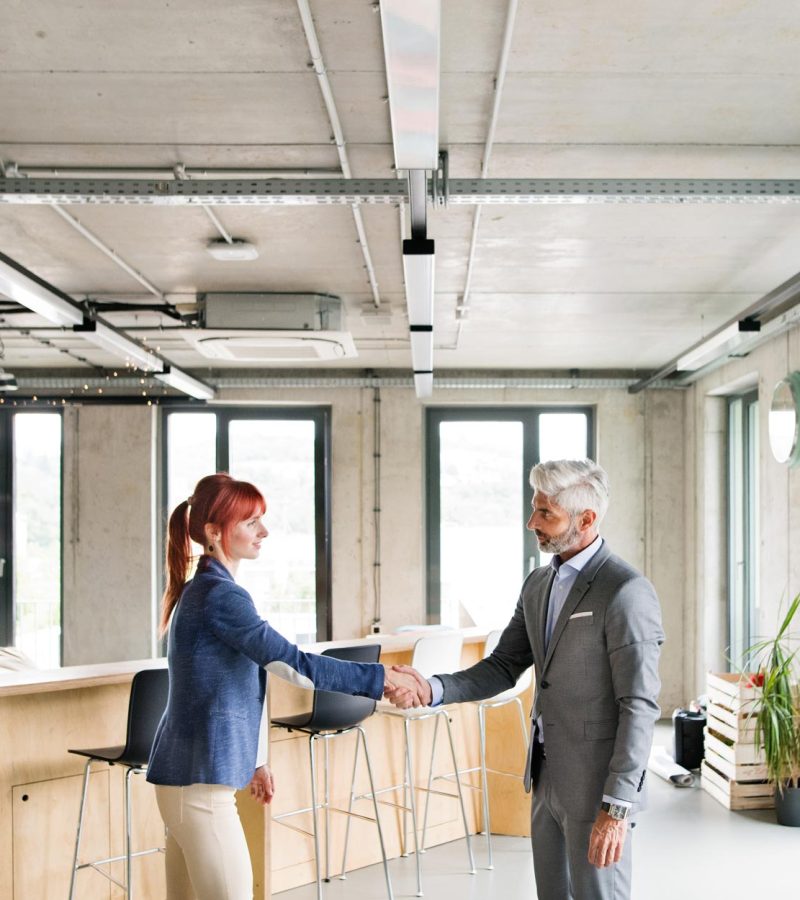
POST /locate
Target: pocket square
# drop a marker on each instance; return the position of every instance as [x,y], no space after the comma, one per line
[582,615]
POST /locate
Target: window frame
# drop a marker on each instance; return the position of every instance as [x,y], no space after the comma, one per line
[742,523]
[529,417]
[8,600]
[321,416]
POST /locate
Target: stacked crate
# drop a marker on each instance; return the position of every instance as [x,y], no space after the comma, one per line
[733,772]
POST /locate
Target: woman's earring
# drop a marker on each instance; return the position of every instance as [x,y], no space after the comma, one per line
[210,548]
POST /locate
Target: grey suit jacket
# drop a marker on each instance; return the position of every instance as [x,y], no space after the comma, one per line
[597,685]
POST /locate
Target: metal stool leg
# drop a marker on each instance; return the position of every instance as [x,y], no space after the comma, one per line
[487,822]
[128,830]
[460,795]
[430,782]
[375,805]
[410,769]
[79,834]
[327,816]
[343,875]
[314,808]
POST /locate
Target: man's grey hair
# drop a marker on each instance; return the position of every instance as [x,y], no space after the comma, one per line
[574,484]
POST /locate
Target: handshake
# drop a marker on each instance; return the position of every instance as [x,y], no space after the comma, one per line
[405,687]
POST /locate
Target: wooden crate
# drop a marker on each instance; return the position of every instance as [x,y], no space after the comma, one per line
[732,692]
[735,752]
[742,772]
[740,729]
[734,794]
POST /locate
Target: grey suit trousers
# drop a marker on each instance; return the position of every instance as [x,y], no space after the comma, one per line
[560,852]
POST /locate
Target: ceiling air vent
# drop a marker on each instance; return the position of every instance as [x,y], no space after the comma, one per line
[264,328]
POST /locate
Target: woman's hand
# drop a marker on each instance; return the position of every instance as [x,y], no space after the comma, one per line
[262,785]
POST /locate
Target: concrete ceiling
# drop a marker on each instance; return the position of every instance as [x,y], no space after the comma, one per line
[700,89]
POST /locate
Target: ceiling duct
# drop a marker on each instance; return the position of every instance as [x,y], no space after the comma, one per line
[280,328]
[272,312]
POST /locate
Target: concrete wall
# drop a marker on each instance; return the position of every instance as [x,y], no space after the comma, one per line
[779,506]
[110,463]
[109,505]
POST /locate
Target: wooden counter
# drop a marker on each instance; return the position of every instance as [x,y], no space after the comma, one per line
[42,714]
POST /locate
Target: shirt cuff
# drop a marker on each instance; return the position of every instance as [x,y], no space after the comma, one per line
[607,798]
[437,690]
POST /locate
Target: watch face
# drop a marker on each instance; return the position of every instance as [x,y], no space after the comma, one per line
[618,812]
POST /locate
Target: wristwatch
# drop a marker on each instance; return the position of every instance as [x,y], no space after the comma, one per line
[615,810]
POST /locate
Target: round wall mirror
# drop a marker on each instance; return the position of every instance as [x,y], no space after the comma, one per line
[784,420]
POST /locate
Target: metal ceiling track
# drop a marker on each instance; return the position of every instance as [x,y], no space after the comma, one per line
[333,191]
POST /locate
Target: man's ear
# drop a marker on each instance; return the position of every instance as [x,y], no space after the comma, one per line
[588,519]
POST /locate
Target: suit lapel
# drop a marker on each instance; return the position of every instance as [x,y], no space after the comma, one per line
[541,614]
[582,584]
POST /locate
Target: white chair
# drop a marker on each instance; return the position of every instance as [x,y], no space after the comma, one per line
[512,695]
[433,653]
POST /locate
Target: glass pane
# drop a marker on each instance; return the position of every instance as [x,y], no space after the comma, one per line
[277,455]
[481,528]
[37,536]
[737,604]
[192,453]
[562,436]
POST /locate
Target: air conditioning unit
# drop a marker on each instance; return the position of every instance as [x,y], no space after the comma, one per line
[271,328]
[271,312]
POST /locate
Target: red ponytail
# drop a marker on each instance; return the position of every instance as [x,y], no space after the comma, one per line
[217,499]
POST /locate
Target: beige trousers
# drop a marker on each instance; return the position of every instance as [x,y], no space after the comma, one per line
[207,856]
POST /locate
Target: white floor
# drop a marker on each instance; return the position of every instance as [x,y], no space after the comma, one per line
[687,847]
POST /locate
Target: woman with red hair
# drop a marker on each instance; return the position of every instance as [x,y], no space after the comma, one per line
[211,739]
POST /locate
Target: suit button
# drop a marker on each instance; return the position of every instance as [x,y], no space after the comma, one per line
[545,685]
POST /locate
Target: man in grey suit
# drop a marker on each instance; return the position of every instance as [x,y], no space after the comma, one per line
[591,626]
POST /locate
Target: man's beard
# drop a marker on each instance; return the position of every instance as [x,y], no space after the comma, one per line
[560,542]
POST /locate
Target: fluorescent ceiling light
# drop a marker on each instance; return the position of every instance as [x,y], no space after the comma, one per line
[232,251]
[411,38]
[23,288]
[422,348]
[720,344]
[418,266]
[119,344]
[423,383]
[182,381]
[8,382]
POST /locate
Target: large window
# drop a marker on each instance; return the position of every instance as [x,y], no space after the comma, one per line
[286,454]
[742,523]
[478,496]
[30,535]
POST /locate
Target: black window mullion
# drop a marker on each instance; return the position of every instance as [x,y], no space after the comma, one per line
[6,533]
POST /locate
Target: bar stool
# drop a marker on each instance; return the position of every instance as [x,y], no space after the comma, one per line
[334,715]
[512,695]
[432,654]
[148,699]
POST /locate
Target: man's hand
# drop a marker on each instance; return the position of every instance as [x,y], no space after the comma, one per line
[409,688]
[262,785]
[607,840]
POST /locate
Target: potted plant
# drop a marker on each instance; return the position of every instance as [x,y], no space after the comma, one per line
[777,715]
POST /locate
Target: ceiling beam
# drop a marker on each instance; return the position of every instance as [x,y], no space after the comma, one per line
[460,191]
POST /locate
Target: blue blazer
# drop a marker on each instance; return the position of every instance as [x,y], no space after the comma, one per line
[218,650]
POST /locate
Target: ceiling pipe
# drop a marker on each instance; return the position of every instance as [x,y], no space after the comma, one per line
[338,136]
[14,170]
[104,248]
[462,308]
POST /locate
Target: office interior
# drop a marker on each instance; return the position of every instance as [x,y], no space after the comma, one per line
[371,221]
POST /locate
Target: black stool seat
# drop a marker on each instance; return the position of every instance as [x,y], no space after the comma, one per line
[109,755]
[148,699]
